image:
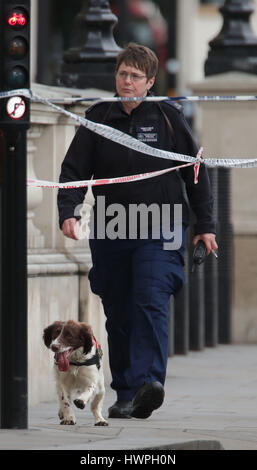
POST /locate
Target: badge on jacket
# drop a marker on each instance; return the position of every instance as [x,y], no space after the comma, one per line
[147,133]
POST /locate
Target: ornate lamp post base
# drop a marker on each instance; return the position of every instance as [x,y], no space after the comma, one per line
[91,63]
[235,47]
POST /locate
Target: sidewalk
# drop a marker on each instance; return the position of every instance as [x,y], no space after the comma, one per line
[210,403]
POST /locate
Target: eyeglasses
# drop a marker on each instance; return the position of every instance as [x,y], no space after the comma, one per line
[133,76]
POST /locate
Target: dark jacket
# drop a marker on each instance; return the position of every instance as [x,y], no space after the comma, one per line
[91,155]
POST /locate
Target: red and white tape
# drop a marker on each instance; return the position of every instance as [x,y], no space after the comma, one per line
[99,182]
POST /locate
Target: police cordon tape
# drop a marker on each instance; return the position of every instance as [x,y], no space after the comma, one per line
[132,143]
[110,99]
[73,99]
[103,181]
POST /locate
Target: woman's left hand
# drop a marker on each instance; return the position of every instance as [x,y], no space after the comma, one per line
[209,241]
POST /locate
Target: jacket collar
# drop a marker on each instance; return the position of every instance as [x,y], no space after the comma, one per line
[119,112]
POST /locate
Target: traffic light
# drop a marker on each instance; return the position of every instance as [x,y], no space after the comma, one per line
[14,61]
[14,122]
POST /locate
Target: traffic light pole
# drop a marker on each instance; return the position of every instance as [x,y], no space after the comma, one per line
[14,394]
[14,122]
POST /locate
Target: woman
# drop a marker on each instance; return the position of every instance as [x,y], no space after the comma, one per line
[135,276]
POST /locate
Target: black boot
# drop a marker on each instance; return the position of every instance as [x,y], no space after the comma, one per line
[148,398]
[120,409]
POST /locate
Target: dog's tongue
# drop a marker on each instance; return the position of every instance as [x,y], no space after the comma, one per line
[62,360]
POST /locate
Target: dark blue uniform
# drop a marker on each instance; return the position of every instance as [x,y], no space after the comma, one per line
[135,278]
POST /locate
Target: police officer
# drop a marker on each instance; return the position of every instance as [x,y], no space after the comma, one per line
[135,276]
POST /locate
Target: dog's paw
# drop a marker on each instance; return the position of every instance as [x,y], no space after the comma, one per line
[79,404]
[68,421]
[102,423]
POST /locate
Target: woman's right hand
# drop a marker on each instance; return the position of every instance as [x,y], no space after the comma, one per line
[70,228]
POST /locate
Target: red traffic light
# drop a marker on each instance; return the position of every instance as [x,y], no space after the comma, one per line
[17,19]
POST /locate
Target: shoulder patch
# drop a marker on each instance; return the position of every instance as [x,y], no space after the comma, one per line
[174,104]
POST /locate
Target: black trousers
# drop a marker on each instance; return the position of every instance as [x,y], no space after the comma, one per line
[135,279]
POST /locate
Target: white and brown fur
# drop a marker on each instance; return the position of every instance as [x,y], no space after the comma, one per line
[82,384]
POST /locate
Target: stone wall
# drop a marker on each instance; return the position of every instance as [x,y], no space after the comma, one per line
[58,287]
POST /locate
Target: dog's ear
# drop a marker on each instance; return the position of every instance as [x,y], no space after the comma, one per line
[48,333]
[86,335]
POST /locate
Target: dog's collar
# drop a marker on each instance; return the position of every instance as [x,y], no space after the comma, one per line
[93,360]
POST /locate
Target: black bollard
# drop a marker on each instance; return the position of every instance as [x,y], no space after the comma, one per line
[181,312]
[211,276]
[225,260]
[196,303]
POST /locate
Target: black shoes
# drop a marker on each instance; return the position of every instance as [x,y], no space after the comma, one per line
[120,409]
[147,399]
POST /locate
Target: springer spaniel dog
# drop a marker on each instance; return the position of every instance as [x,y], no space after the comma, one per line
[79,374]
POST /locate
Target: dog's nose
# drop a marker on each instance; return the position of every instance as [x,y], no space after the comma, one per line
[55,347]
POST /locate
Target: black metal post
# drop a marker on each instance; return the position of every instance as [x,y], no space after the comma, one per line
[235,47]
[196,303]
[211,277]
[91,63]
[225,265]
[181,312]
[14,122]
[14,283]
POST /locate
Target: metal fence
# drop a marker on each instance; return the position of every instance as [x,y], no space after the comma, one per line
[200,316]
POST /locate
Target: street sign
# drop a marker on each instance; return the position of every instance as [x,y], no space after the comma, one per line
[16,107]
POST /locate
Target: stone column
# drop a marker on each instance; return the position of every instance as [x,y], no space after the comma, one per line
[186,11]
